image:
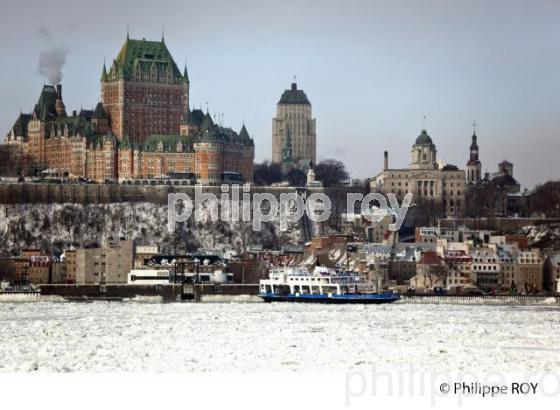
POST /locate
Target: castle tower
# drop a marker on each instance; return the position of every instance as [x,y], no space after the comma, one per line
[474,165]
[144,92]
[294,111]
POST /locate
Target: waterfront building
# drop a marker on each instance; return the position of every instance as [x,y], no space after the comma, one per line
[58,271]
[90,266]
[70,258]
[486,266]
[39,269]
[31,267]
[552,272]
[460,274]
[523,269]
[118,257]
[109,264]
[143,253]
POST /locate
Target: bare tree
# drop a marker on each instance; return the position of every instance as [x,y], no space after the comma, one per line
[330,172]
[545,200]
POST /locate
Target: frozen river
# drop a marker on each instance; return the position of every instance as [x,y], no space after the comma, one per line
[134,336]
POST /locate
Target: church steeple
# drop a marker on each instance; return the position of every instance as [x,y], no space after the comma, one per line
[474,149]
[474,165]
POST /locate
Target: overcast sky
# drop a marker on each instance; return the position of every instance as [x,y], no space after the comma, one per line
[371,69]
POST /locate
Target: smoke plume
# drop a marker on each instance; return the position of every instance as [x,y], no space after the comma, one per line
[52,59]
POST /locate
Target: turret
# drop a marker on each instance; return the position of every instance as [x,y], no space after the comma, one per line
[104,72]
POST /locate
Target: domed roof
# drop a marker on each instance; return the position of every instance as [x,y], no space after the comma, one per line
[450,167]
[424,138]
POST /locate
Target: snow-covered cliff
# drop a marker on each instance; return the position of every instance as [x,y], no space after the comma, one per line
[56,227]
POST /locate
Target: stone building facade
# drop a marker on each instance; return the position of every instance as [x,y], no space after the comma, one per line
[144,92]
[425,179]
[294,122]
[142,128]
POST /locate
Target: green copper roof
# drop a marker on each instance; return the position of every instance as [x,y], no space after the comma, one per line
[98,141]
[167,143]
[207,124]
[20,126]
[99,112]
[45,107]
[104,73]
[424,138]
[244,135]
[195,117]
[294,96]
[143,55]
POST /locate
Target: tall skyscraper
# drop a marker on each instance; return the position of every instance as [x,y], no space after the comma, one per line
[294,125]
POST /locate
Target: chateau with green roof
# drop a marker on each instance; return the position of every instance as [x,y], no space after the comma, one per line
[141,128]
[142,56]
[144,92]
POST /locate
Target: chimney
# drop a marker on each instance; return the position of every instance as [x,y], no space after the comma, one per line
[59,105]
[385,160]
[294,86]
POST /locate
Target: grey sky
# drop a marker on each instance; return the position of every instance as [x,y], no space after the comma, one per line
[371,69]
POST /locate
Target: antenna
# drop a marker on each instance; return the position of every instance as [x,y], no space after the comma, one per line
[127,32]
[424,122]
[162,33]
[206,107]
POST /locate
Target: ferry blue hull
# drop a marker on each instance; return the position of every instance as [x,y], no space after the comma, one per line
[358,298]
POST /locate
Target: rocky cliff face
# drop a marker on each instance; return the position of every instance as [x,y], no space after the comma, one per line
[56,227]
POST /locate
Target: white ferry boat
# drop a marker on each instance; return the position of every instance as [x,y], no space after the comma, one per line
[322,286]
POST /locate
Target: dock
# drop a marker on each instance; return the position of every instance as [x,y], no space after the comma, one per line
[168,293]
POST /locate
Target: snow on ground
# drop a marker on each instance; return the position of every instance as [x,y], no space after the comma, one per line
[132,336]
